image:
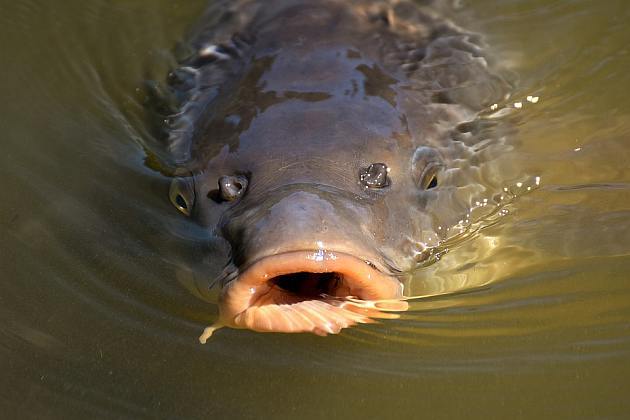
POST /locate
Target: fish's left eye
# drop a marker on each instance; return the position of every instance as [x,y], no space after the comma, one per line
[425,166]
[429,177]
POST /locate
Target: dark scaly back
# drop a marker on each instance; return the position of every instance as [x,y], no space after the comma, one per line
[448,69]
[216,53]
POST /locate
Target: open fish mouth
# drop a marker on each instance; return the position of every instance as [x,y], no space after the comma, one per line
[320,292]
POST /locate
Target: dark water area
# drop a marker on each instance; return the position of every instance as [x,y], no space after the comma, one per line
[103,285]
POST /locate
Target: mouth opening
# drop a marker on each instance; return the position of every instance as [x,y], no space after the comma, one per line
[308,285]
[320,292]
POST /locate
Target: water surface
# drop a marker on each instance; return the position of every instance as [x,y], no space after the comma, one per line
[102,293]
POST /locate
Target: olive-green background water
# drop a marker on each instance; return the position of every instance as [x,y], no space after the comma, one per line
[99,316]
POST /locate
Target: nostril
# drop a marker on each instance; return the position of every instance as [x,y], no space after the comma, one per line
[231,187]
[374,176]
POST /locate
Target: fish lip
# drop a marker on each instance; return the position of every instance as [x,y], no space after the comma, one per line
[363,280]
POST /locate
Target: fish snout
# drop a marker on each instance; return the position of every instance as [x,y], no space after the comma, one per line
[305,265]
[297,221]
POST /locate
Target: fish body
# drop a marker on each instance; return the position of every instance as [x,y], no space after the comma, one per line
[329,143]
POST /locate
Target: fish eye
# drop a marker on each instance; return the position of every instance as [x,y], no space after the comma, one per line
[429,179]
[374,176]
[231,187]
[182,195]
[426,164]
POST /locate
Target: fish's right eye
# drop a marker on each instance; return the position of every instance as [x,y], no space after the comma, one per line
[182,195]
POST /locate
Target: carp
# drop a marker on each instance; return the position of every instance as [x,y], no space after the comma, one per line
[329,143]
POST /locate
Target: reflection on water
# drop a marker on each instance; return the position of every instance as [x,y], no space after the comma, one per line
[103,286]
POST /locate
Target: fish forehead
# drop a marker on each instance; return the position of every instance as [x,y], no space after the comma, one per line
[321,102]
[331,128]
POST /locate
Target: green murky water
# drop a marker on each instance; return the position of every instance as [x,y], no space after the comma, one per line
[99,316]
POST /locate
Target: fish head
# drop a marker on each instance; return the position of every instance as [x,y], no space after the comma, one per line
[330,176]
[320,201]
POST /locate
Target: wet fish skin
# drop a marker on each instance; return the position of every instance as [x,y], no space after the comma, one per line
[328,125]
